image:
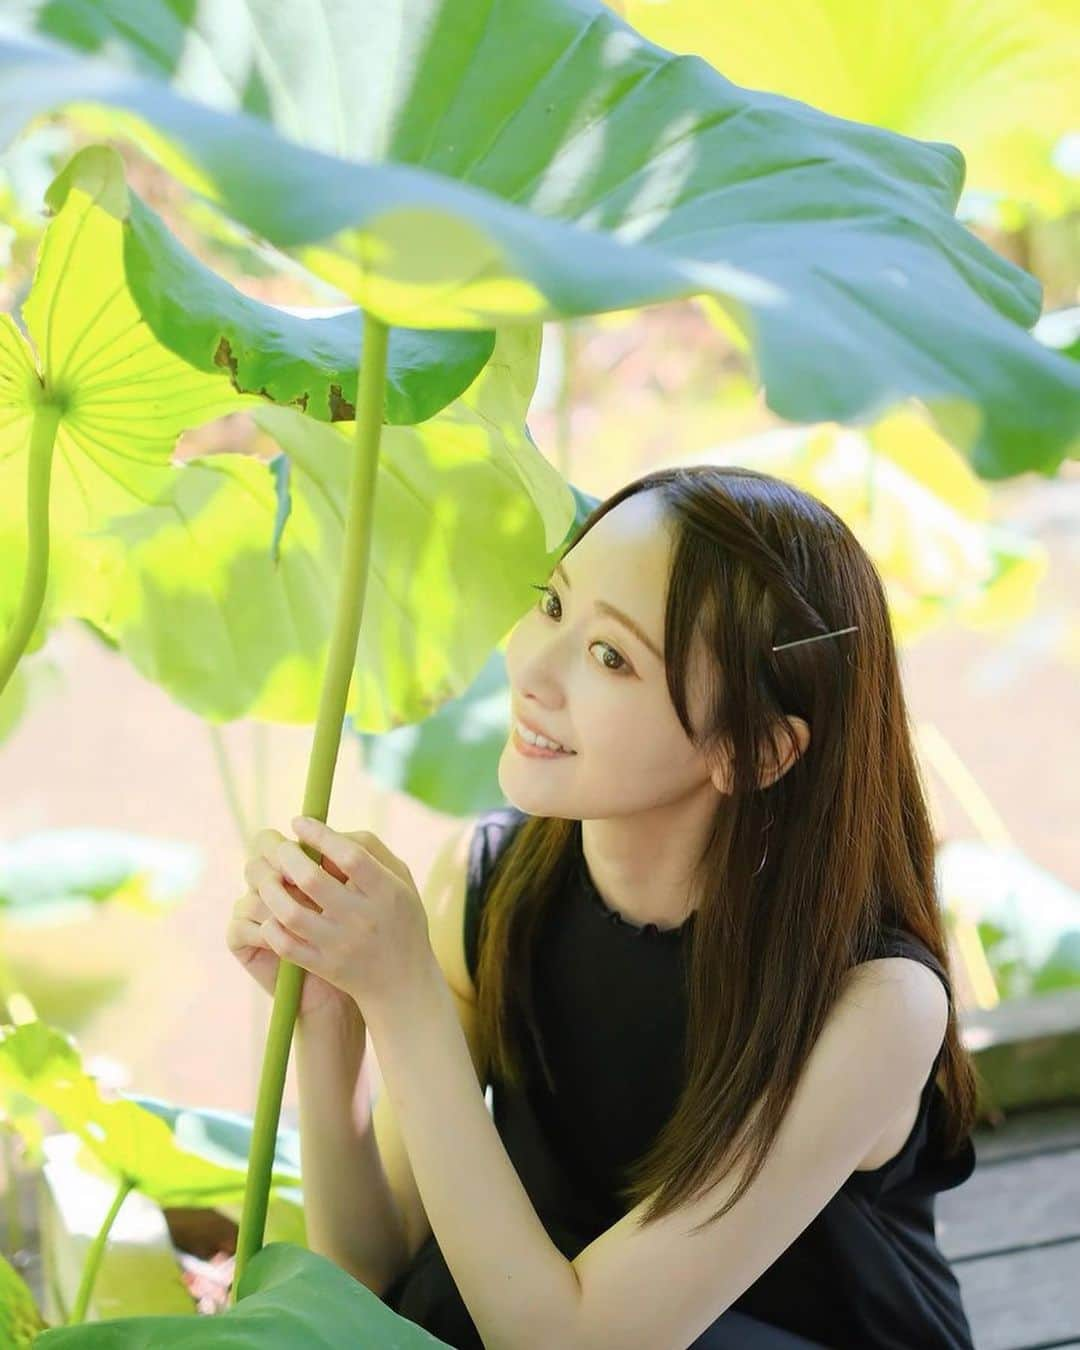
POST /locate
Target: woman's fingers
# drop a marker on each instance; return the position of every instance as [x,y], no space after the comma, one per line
[244,933]
[245,929]
[258,871]
[265,842]
[249,906]
[302,921]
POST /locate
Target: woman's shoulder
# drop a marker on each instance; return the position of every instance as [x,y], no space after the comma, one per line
[897,941]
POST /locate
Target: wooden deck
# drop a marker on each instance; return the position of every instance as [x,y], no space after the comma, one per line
[1012,1232]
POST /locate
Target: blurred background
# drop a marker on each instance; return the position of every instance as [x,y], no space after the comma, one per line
[982,579]
[125,818]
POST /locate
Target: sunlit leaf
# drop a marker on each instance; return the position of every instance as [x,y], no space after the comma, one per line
[450,760]
[946,71]
[529,162]
[125,1139]
[227,592]
[288,1297]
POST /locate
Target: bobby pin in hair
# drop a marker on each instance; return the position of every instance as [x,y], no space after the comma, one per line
[817,638]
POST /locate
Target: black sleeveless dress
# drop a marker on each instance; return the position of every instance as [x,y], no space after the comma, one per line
[865,1274]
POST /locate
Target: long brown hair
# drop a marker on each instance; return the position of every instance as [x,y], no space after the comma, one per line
[849,846]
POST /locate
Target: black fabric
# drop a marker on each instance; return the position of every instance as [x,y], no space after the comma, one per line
[865,1274]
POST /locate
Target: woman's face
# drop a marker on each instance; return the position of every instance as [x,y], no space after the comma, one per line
[586,680]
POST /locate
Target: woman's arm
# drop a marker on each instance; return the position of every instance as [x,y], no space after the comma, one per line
[351,1213]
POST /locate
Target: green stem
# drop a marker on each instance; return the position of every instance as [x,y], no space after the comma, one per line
[333,699]
[94,1255]
[565,400]
[11,1175]
[39,471]
[228,782]
[261,739]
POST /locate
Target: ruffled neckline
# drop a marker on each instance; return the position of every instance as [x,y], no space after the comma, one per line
[648,932]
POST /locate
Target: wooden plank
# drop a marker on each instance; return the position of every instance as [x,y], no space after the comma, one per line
[1023,1133]
[1014,1204]
[1024,1300]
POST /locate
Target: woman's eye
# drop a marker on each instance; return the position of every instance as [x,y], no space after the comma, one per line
[550,592]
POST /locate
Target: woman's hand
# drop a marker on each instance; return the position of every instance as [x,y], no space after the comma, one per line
[247,939]
[354,921]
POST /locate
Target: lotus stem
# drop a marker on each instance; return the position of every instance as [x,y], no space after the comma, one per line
[11,1177]
[39,471]
[333,699]
[228,783]
[94,1255]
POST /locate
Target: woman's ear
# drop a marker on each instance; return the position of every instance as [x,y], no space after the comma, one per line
[784,754]
[781,747]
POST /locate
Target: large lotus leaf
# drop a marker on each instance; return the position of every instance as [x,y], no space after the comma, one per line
[40,1062]
[223,591]
[288,1297]
[930,70]
[54,876]
[222,1136]
[225,1137]
[125,399]
[510,161]
[309,362]
[450,760]
[921,514]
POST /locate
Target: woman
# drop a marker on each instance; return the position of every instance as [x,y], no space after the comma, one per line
[700,937]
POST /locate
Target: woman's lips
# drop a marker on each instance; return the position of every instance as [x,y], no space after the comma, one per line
[535,751]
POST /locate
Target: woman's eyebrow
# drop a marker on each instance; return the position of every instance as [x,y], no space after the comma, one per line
[624,619]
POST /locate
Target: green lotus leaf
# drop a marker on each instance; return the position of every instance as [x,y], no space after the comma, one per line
[925,70]
[531,162]
[138,342]
[124,399]
[125,1139]
[52,876]
[309,362]
[227,592]
[288,1297]
[450,760]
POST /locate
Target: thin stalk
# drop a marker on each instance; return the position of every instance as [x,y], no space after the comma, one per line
[11,1178]
[228,782]
[564,404]
[261,740]
[94,1255]
[333,698]
[39,471]
[245,831]
[260,814]
[991,827]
